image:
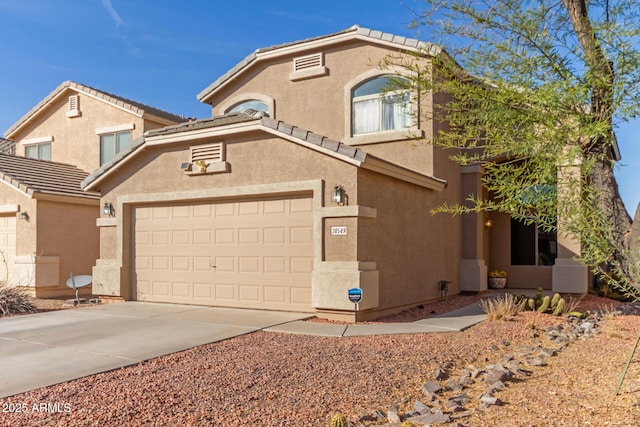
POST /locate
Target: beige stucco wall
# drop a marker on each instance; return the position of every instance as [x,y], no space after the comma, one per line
[413,249]
[69,232]
[58,237]
[322,104]
[25,230]
[74,138]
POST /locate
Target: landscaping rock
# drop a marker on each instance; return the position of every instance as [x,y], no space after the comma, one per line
[497,373]
[392,415]
[440,374]
[490,400]
[430,419]
[421,408]
[431,387]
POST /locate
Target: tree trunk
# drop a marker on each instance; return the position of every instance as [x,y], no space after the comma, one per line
[602,93]
[610,203]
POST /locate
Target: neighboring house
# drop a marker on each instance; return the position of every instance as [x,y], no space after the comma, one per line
[309,179]
[47,223]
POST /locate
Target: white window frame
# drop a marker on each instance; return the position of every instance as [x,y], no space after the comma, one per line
[380,99]
[39,148]
[117,150]
[411,132]
[251,96]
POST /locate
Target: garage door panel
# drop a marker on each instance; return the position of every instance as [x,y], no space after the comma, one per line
[249,208]
[181,263]
[160,212]
[202,292]
[181,289]
[225,292]
[225,264]
[224,209]
[275,294]
[301,205]
[250,293]
[301,235]
[274,265]
[300,295]
[178,212]
[301,264]
[225,236]
[202,263]
[272,207]
[262,251]
[159,288]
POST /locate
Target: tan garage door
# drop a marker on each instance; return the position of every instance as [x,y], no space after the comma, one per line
[7,247]
[262,251]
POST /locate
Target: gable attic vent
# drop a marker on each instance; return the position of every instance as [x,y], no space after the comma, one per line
[310,61]
[208,153]
[74,107]
[305,67]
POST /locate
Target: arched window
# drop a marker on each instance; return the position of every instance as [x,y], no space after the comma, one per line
[377,109]
[252,104]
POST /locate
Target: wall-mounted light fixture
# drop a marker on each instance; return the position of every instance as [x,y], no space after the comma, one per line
[107,209]
[24,216]
[338,195]
[488,223]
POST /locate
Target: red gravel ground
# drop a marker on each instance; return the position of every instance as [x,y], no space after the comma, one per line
[266,379]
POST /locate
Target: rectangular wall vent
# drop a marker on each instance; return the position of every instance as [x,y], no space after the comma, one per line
[208,153]
[306,62]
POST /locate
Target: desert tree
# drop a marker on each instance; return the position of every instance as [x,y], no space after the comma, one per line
[534,90]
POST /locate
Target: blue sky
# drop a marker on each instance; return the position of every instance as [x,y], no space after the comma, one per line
[164,52]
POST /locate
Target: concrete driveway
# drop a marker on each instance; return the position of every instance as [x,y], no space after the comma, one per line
[49,348]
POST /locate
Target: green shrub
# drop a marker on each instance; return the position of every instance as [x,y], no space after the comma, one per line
[14,300]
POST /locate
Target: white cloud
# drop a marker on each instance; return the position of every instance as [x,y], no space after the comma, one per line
[112,12]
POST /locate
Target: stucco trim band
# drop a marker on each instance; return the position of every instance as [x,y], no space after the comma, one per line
[4,209]
[348,211]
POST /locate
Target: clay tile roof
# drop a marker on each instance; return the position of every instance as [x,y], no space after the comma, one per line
[314,138]
[7,146]
[227,119]
[135,107]
[278,125]
[40,176]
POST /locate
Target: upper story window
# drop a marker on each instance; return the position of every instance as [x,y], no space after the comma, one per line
[376,109]
[112,143]
[38,151]
[252,104]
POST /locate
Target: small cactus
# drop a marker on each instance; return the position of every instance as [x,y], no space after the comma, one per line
[531,304]
[546,301]
[554,300]
[339,420]
[559,307]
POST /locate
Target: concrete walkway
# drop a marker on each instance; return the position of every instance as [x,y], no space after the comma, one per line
[43,349]
[453,321]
